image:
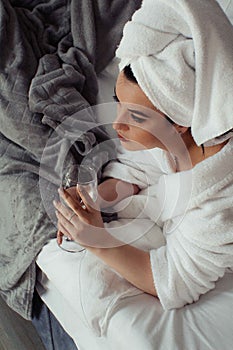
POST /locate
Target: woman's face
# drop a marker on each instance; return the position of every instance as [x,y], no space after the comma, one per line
[139,124]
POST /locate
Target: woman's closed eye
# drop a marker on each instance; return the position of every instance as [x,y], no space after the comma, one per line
[137,119]
[133,116]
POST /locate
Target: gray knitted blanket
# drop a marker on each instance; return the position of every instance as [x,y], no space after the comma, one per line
[51,51]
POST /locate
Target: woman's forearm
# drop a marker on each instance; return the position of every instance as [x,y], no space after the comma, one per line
[131,263]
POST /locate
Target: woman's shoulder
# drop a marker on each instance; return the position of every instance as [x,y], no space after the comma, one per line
[214,173]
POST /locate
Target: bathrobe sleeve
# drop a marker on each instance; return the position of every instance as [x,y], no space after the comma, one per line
[197,252]
[142,168]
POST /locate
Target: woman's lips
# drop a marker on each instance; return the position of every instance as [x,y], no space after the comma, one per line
[122,138]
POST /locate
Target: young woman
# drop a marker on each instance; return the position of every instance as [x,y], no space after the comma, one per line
[173,89]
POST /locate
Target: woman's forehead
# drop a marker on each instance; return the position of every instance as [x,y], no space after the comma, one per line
[130,92]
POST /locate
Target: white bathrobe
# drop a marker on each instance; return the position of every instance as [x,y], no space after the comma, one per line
[197,225]
[191,249]
[199,241]
[139,217]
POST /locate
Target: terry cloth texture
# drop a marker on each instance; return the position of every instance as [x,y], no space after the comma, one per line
[181,53]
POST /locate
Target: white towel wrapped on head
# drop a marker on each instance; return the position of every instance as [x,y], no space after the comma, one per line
[181,53]
[227,6]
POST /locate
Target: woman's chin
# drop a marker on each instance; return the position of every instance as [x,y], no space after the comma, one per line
[132,146]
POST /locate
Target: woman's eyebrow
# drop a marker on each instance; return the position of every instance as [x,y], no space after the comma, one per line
[138,112]
[131,110]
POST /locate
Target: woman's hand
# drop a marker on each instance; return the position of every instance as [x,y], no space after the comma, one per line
[81,221]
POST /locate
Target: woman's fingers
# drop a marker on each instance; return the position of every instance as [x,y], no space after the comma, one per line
[65,227]
[63,224]
[75,205]
[88,202]
[62,230]
[66,212]
[63,214]
[59,237]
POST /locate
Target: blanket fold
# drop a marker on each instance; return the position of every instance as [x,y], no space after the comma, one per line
[49,61]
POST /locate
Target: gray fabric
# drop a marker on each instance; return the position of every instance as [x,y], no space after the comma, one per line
[50,54]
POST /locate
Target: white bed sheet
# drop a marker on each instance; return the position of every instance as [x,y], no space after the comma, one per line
[139,322]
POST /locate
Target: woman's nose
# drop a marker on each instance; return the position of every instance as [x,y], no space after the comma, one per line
[120,126]
[120,122]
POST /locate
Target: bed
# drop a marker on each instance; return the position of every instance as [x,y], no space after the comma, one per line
[140,322]
[204,325]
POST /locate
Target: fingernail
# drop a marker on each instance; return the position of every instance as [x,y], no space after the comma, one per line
[55,203]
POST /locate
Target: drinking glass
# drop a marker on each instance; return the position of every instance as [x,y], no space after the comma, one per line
[85,177]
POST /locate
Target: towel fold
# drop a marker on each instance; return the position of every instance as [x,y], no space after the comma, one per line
[181,53]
